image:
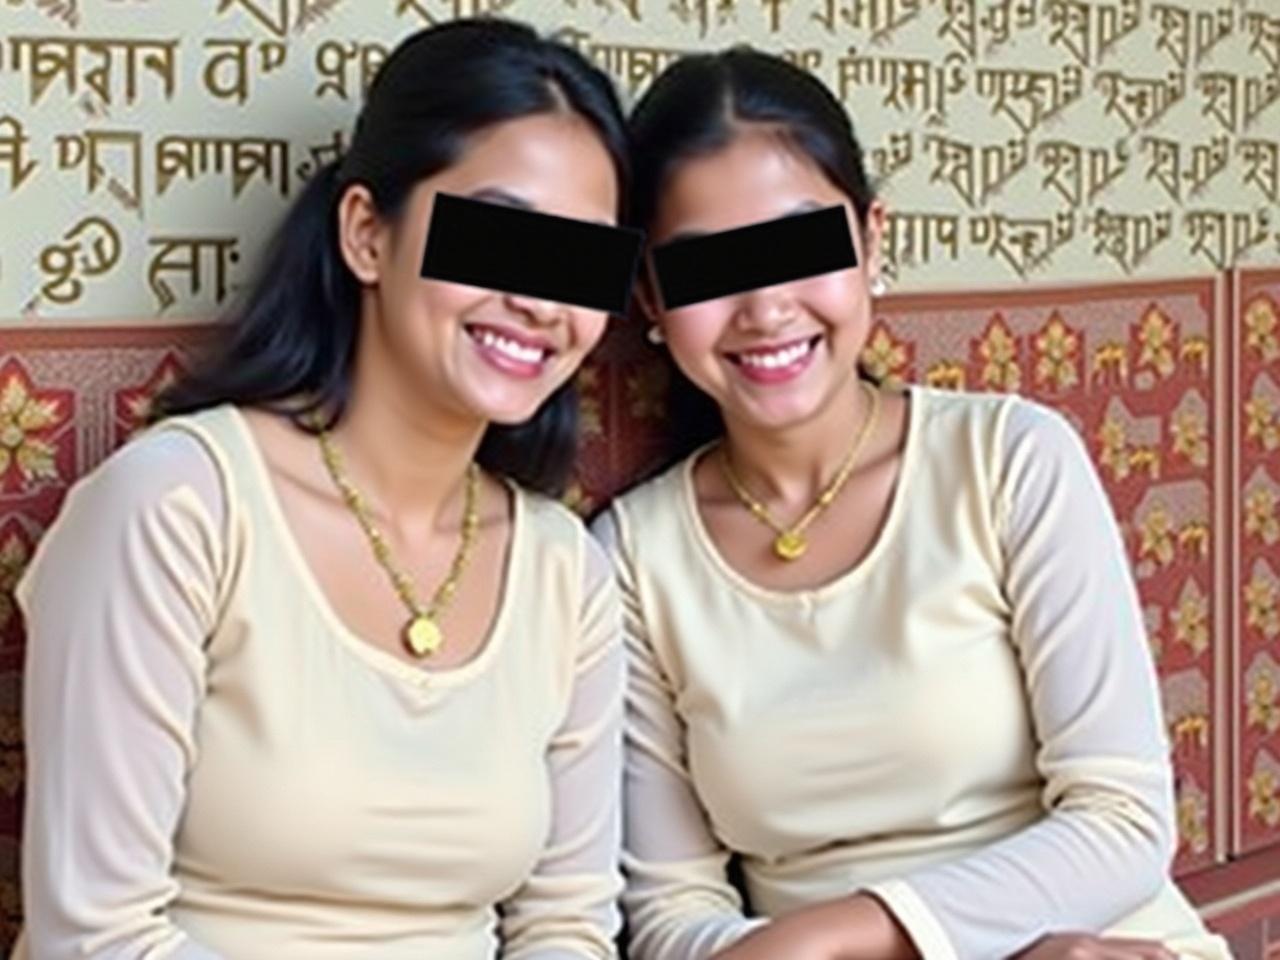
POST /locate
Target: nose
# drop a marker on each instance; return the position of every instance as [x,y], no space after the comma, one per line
[539,311]
[766,311]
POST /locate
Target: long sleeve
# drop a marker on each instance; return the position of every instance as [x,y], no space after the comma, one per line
[679,902]
[118,602]
[1104,845]
[567,910]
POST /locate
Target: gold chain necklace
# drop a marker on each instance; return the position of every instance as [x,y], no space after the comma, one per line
[790,542]
[422,634]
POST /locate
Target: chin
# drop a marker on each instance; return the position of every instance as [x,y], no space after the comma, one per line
[778,413]
[509,411]
[512,418]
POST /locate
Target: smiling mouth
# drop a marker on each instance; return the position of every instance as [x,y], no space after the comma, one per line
[509,348]
[775,358]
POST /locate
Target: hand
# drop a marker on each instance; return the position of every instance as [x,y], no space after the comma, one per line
[1084,946]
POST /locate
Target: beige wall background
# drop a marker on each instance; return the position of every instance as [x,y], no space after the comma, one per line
[148,147]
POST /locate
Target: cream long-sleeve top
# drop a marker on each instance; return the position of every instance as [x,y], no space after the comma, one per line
[965,725]
[218,768]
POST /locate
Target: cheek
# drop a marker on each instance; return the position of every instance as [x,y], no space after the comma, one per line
[838,300]
[435,302]
[589,330]
[692,332]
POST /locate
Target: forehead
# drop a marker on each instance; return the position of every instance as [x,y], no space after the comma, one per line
[553,162]
[757,176]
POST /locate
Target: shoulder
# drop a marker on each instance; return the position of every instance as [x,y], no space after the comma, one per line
[545,516]
[1034,436]
[940,409]
[159,496]
[1001,421]
[149,469]
[556,537]
[650,505]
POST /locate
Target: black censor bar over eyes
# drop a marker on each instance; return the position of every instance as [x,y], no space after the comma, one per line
[695,269]
[534,254]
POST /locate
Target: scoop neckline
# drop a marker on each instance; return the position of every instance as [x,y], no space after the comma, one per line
[373,655]
[842,581]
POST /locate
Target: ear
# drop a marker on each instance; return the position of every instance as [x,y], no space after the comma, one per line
[645,293]
[360,232]
[872,235]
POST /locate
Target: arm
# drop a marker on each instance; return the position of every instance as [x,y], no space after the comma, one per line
[1104,845]
[567,910]
[679,902]
[118,602]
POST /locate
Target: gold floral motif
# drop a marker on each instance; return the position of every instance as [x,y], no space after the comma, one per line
[1155,337]
[1157,536]
[884,358]
[1194,728]
[1264,702]
[1193,538]
[1260,518]
[999,352]
[1113,444]
[1193,820]
[1057,347]
[1191,437]
[1111,361]
[1195,353]
[1260,606]
[1260,322]
[21,414]
[1145,458]
[1264,797]
[646,391]
[589,419]
[945,375]
[1191,620]
[577,499]
[139,405]
[1260,422]
[13,560]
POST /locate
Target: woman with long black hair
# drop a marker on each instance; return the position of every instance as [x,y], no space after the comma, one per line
[316,668]
[884,645]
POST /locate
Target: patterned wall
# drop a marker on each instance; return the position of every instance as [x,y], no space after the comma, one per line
[1048,163]
[1257,525]
[147,147]
[1172,384]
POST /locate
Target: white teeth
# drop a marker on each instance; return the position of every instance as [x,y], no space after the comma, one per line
[515,351]
[779,358]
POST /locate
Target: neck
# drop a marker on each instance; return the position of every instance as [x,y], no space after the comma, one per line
[409,457]
[794,464]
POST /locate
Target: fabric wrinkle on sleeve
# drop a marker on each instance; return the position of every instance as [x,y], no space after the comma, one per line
[119,600]
[1106,842]
[567,910]
[679,902]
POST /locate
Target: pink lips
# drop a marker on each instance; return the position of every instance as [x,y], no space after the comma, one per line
[509,351]
[782,370]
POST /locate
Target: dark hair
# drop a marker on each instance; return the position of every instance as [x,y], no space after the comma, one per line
[697,106]
[293,336]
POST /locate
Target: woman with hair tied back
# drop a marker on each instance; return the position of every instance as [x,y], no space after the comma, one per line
[317,669]
[884,646]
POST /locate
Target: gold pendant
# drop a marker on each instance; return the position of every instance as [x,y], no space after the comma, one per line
[422,636]
[790,545]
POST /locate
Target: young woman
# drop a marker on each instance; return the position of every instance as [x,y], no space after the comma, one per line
[240,742]
[884,645]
